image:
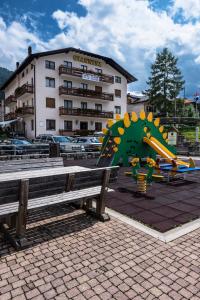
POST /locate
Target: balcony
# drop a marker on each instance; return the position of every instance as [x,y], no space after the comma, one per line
[10,116]
[88,75]
[85,93]
[85,112]
[65,132]
[10,99]
[25,110]
[24,89]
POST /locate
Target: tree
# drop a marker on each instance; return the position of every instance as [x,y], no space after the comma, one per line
[165,82]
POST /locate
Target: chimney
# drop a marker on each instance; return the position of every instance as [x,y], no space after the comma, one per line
[17,65]
[29,50]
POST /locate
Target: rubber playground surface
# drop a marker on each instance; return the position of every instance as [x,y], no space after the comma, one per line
[164,207]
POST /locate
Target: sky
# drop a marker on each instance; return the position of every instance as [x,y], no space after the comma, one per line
[129,31]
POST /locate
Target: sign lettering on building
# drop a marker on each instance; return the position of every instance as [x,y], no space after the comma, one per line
[90,77]
[87,60]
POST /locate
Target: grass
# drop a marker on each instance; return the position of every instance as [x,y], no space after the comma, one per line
[189,134]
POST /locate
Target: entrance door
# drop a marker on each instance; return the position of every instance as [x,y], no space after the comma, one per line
[83,125]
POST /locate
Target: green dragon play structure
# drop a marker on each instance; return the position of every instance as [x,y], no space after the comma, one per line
[139,139]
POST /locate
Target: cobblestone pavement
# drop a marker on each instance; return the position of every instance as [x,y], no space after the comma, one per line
[72,256]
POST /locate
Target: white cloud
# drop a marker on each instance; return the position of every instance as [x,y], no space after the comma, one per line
[128,31]
[188,8]
[14,40]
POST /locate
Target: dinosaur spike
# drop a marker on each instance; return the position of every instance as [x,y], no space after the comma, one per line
[164,135]
[121,130]
[161,129]
[110,123]
[145,129]
[150,117]
[157,122]
[148,135]
[104,130]
[115,149]
[127,122]
[134,117]
[142,115]
[101,139]
[117,117]
[117,140]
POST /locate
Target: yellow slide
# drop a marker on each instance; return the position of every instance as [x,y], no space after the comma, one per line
[163,151]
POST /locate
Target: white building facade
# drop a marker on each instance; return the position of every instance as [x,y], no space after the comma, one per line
[65,92]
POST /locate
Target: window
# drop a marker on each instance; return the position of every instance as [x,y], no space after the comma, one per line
[99,71]
[83,125]
[50,64]
[98,126]
[67,84]
[50,124]
[98,89]
[84,67]
[22,74]
[68,125]
[84,86]
[118,110]
[32,125]
[98,107]
[68,64]
[31,66]
[50,102]
[67,104]
[118,93]
[118,79]
[50,82]
[83,105]
[27,71]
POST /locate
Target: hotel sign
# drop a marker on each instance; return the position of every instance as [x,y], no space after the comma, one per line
[87,60]
[90,77]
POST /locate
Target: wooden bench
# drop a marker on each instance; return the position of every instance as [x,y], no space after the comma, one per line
[30,164]
[27,191]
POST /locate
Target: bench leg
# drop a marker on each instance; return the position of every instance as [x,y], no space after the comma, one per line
[13,241]
[99,212]
[22,213]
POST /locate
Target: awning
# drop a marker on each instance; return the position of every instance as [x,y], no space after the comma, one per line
[6,123]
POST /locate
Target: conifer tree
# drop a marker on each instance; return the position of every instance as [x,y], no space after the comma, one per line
[165,82]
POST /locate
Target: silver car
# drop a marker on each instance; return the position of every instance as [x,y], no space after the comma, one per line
[65,144]
[90,143]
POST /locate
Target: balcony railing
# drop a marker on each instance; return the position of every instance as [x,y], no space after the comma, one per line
[89,75]
[25,110]
[10,99]
[65,132]
[85,93]
[10,116]
[85,112]
[25,88]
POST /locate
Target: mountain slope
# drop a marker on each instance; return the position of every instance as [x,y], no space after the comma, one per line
[4,75]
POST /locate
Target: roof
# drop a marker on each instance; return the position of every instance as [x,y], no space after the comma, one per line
[130,78]
[135,99]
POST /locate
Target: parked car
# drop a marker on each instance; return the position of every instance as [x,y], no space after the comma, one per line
[65,144]
[89,142]
[20,147]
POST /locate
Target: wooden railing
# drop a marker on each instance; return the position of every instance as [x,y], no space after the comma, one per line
[25,110]
[10,116]
[85,112]
[10,99]
[25,88]
[77,72]
[85,93]
[65,132]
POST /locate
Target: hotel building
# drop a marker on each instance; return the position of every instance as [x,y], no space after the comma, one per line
[64,92]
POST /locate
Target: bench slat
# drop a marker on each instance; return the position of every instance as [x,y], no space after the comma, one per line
[49,200]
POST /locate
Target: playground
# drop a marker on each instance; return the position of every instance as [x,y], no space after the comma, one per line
[162,193]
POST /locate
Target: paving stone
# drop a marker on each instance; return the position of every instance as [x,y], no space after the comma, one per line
[81,258]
